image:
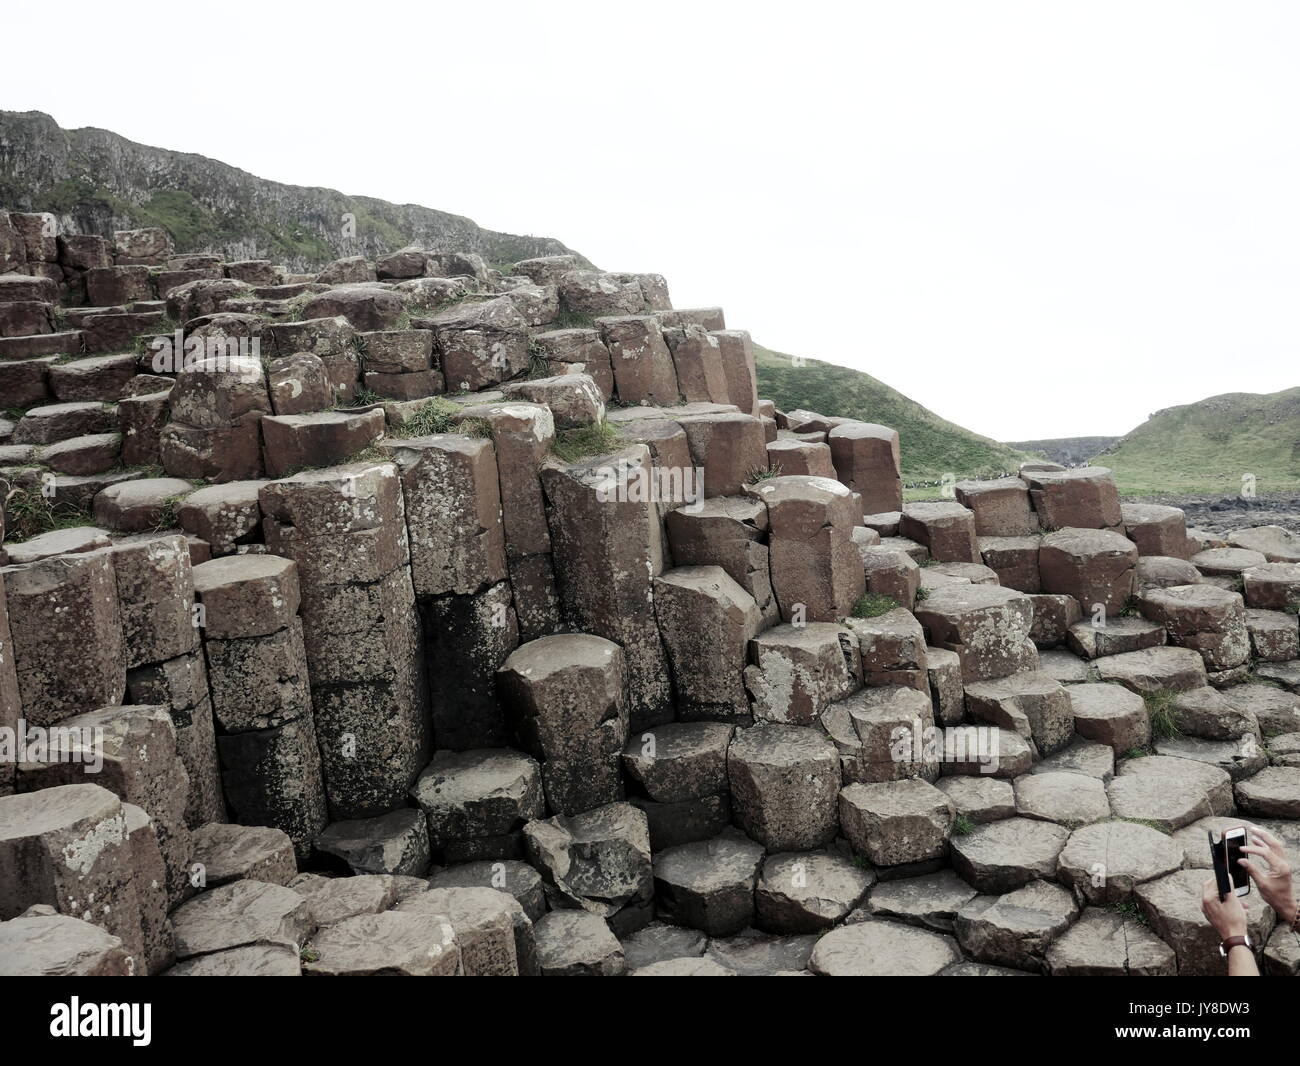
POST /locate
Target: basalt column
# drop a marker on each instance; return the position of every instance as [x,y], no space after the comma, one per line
[155,592]
[458,559]
[522,435]
[260,694]
[606,538]
[345,527]
[67,635]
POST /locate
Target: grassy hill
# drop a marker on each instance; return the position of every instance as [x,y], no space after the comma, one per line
[931,446]
[96,181]
[1206,447]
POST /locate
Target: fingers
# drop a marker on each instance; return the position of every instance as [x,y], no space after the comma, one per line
[1209,898]
[1255,836]
[1271,842]
[1273,863]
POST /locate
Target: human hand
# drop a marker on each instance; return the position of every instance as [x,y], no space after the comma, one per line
[1274,884]
[1227,916]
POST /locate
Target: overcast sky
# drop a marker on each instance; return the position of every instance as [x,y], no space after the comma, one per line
[1038,219]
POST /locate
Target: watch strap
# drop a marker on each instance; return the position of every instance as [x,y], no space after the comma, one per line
[1233,942]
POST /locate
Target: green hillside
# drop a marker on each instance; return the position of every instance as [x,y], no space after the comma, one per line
[96,182]
[1206,447]
[931,446]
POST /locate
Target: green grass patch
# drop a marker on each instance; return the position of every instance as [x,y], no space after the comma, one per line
[962,826]
[872,605]
[763,473]
[572,320]
[169,513]
[538,367]
[1129,911]
[372,453]
[583,442]
[29,513]
[442,417]
[364,397]
[1160,711]
[434,416]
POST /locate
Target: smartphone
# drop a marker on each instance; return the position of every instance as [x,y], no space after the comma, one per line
[1224,854]
[1233,840]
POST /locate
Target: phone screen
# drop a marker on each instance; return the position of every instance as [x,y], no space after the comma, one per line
[1233,845]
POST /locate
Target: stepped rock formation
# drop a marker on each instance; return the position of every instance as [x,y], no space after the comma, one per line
[415,617]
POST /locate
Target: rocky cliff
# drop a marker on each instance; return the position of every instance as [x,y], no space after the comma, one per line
[98,182]
[1072,451]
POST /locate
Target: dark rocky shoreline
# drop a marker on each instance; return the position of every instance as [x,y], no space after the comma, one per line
[1223,514]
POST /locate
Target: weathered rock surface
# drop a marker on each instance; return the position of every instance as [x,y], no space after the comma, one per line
[1103,943]
[1105,862]
[1015,929]
[882,949]
[1004,855]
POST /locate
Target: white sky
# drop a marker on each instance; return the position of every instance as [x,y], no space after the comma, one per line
[1038,219]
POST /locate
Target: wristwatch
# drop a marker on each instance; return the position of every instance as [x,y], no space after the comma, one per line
[1234,942]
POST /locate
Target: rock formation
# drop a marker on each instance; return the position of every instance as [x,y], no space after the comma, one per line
[417,617]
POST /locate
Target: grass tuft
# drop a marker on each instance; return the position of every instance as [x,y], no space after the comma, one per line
[439,415]
[763,473]
[872,605]
[585,441]
[29,513]
[572,320]
[169,513]
[1129,911]
[1131,608]
[1160,710]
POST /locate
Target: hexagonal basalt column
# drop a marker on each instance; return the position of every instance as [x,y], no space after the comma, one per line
[817,571]
[564,696]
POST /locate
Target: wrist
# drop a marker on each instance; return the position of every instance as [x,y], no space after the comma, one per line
[1283,905]
[1288,910]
